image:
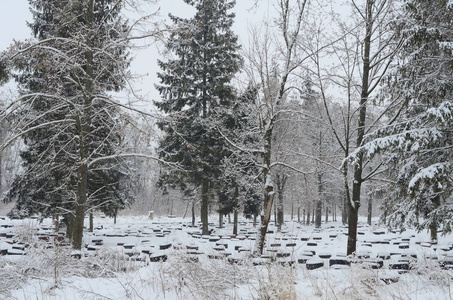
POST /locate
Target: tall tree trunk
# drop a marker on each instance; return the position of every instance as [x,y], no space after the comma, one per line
[204,207]
[358,167]
[292,209]
[308,215]
[70,227]
[84,129]
[235,220]
[298,215]
[275,215]
[346,200]
[370,210]
[220,220]
[333,212]
[281,183]
[327,214]
[319,203]
[433,224]
[91,222]
[193,213]
[313,216]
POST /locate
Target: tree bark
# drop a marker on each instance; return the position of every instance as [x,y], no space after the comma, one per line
[91,222]
[358,168]
[327,214]
[204,207]
[318,209]
[281,182]
[220,220]
[193,213]
[235,221]
[370,210]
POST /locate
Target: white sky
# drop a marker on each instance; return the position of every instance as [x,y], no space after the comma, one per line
[15,13]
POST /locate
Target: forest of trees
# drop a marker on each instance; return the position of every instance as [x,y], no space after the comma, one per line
[327,109]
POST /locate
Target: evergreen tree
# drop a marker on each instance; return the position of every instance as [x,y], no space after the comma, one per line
[70,124]
[240,185]
[195,84]
[419,146]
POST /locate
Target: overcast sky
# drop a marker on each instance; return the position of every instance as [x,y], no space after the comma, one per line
[15,13]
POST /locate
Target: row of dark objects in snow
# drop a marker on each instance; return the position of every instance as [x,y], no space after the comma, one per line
[133,255]
[403,264]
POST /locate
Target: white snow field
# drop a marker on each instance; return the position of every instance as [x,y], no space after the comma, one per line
[167,259]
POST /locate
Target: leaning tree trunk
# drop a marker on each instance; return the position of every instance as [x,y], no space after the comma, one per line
[269,194]
[265,218]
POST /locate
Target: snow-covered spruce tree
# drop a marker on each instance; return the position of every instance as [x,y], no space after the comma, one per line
[69,123]
[240,187]
[194,85]
[420,145]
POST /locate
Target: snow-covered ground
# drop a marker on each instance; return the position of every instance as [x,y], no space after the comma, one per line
[167,259]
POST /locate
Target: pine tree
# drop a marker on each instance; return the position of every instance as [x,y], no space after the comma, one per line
[69,123]
[194,85]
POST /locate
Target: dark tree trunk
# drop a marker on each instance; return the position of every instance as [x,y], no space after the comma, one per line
[84,129]
[220,220]
[313,216]
[433,224]
[281,183]
[318,208]
[292,210]
[327,214]
[318,213]
[308,215]
[298,215]
[345,206]
[370,210]
[70,227]
[205,207]
[275,215]
[193,213]
[235,220]
[358,168]
[91,222]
